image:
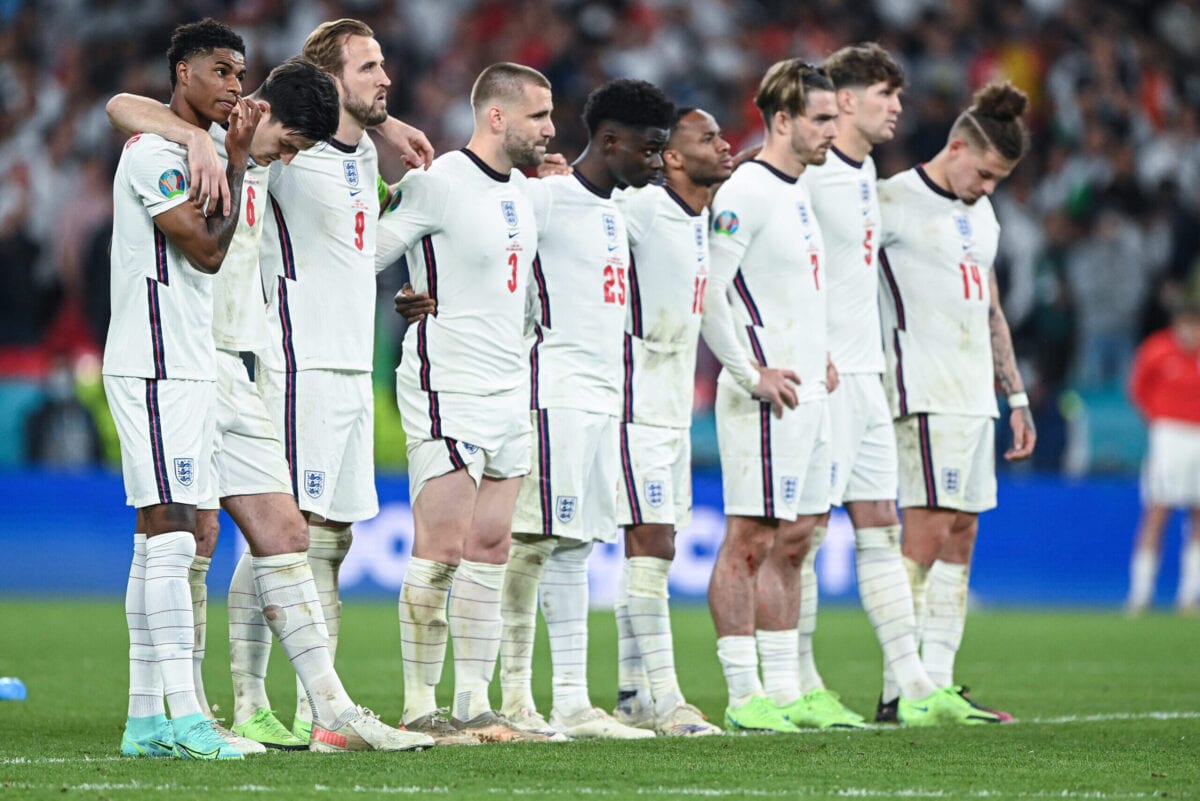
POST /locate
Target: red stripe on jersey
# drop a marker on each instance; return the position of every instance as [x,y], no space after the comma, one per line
[157,451]
[900,388]
[635,299]
[739,283]
[756,346]
[927,459]
[160,256]
[635,509]
[285,240]
[156,333]
[764,416]
[893,287]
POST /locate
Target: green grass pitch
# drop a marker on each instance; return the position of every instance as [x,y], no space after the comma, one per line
[1108,708]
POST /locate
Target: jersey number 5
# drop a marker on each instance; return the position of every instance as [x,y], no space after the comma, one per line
[614,285]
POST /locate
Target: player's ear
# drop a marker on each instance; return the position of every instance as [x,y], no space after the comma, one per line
[265,107]
[847,101]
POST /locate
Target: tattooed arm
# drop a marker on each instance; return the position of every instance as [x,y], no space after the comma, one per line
[1008,378]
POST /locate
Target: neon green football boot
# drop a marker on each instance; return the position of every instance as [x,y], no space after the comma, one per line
[302,729]
[265,728]
[822,709]
[757,715]
[943,707]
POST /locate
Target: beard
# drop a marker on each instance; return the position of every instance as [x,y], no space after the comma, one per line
[522,152]
[365,114]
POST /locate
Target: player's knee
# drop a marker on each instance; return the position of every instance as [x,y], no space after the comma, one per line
[167,517]
[877,538]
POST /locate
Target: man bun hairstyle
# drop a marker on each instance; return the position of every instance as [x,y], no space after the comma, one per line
[863,65]
[303,99]
[634,104]
[325,45]
[504,82]
[200,39]
[995,120]
[786,85]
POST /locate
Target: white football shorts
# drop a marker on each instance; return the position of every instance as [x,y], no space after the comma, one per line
[326,419]
[656,476]
[772,467]
[165,427]
[1171,469]
[863,440]
[571,490]
[947,461]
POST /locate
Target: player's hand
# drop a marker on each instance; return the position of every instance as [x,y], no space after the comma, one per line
[832,378]
[210,187]
[413,307]
[1024,434]
[746,155]
[776,387]
[411,143]
[554,164]
[243,121]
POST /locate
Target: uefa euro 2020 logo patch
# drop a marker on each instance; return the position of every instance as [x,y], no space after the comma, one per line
[564,509]
[725,223]
[185,471]
[314,483]
[172,183]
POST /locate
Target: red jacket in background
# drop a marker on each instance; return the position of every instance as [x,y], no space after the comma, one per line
[1165,381]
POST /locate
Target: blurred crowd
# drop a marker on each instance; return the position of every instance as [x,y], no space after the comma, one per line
[1101,223]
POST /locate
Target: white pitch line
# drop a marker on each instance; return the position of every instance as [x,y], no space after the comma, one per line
[1055,721]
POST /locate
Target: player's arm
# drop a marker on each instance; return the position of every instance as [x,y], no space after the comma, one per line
[205,240]
[774,386]
[411,143]
[136,114]
[1008,378]
[1141,379]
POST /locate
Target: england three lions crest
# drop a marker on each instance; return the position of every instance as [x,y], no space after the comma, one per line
[509,210]
[185,471]
[351,168]
[564,508]
[656,493]
[314,483]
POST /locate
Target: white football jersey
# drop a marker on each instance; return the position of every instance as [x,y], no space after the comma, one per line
[936,257]
[767,244]
[239,311]
[318,259]
[668,273]
[578,297]
[471,237]
[161,325]
[843,193]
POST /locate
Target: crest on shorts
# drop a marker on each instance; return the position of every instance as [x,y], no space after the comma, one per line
[951,479]
[656,493]
[509,210]
[833,471]
[185,471]
[790,485]
[564,509]
[471,449]
[350,166]
[314,483]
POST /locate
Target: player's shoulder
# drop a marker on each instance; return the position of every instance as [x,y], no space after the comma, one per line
[639,202]
[902,185]
[148,145]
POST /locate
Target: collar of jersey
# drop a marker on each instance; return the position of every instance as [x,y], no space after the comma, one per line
[683,204]
[591,187]
[495,175]
[342,146]
[934,187]
[855,164]
[781,175]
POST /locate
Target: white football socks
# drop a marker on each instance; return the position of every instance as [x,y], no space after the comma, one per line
[633,685]
[197,584]
[474,615]
[945,619]
[423,628]
[1143,574]
[564,601]
[518,611]
[650,618]
[169,615]
[917,580]
[327,549]
[249,643]
[810,678]
[289,602]
[739,662]
[887,599]
[1189,576]
[145,682]
[777,653]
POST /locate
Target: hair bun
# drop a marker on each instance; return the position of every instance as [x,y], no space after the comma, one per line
[1000,101]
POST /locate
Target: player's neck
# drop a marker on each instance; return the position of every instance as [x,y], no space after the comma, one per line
[851,143]
[350,131]
[778,153]
[693,194]
[186,112]
[592,167]
[935,170]
[490,152]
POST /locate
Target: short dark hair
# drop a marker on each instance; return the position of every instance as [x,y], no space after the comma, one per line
[201,38]
[786,85]
[303,99]
[994,120]
[863,65]
[505,81]
[635,104]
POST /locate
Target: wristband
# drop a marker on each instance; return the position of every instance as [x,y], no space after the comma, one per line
[1018,400]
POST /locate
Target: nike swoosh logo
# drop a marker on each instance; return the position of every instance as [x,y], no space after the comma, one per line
[611,248]
[355,192]
[921,708]
[198,754]
[161,744]
[511,234]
